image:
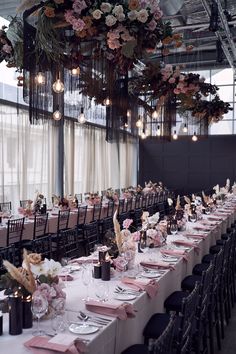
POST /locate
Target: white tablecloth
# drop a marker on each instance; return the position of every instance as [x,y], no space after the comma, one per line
[118,335]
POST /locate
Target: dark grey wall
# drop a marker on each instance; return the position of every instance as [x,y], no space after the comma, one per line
[185,166]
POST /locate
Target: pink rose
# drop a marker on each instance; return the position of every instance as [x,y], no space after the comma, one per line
[152,25]
[127,223]
[136,236]
[172,80]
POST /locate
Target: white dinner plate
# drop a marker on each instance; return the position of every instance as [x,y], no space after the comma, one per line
[184,248]
[124,297]
[80,329]
[150,274]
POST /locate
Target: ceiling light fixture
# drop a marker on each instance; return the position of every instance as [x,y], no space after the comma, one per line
[194,137]
[82,118]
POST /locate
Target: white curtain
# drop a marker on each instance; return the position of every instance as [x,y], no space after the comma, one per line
[27,160]
[98,164]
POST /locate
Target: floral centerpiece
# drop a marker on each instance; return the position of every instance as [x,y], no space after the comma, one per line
[28,209]
[111,195]
[156,232]
[93,199]
[36,276]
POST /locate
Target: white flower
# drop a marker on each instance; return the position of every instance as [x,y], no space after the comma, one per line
[152,220]
[133,15]
[110,20]
[106,7]
[54,268]
[118,10]
[142,16]
[97,14]
[121,17]
[170,201]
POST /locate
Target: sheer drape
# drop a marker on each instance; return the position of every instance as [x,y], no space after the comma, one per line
[26,156]
[97,164]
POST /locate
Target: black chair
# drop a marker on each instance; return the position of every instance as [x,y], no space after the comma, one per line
[137,202]
[121,206]
[40,225]
[6,206]
[136,216]
[7,253]
[160,208]
[91,236]
[122,217]
[105,226]
[62,224]
[81,218]
[183,325]
[110,209]
[163,345]
[97,208]
[129,204]
[14,231]
[42,245]
[24,203]
[70,244]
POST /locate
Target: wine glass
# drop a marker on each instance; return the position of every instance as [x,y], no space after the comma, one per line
[58,323]
[173,229]
[207,210]
[39,307]
[193,217]
[86,279]
[102,292]
[65,261]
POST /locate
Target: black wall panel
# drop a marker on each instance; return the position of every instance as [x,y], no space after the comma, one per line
[186,166]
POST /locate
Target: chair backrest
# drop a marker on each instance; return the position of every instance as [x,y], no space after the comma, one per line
[137,202]
[43,245]
[63,219]
[122,217]
[163,345]
[110,208]
[6,253]
[189,307]
[144,201]
[40,225]
[15,230]
[82,213]
[69,244]
[24,203]
[91,236]
[5,207]
[137,218]
[107,225]
[161,209]
[97,208]
[129,204]
[121,206]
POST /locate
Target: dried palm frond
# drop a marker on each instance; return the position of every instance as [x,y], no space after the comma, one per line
[117,231]
[21,275]
[188,201]
[178,206]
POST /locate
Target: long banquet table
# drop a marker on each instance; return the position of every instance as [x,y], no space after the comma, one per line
[118,335]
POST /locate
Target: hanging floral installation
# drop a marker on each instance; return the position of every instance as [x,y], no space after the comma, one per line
[94,48]
[189,90]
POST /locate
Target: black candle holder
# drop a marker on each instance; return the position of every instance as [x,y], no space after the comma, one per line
[102,256]
[106,268]
[27,313]
[97,271]
[15,315]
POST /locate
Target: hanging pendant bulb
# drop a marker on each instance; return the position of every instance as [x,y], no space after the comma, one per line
[82,118]
[128,113]
[158,132]
[107,102]
[75,71]
[175,136]
[155,114]
[139,122]
[57,114]
[185,128]
[58,86]
[40,78]
[194,137]
[143,135]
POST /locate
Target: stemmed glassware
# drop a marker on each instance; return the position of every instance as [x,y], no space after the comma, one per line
[193,217]
[102,292]
[65,261]
[39,307]
[173,229]
[86,279]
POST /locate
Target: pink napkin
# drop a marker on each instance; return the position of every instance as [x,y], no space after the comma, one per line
[156,265]
[187,244]
[215,218]
[196,236]
[41,345]
[121,311]
[202,228]
[177,253]
[150,286]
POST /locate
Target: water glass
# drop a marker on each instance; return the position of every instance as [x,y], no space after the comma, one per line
[86,279]
[173,229]
[102,292]
[39,307]
[58,323]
